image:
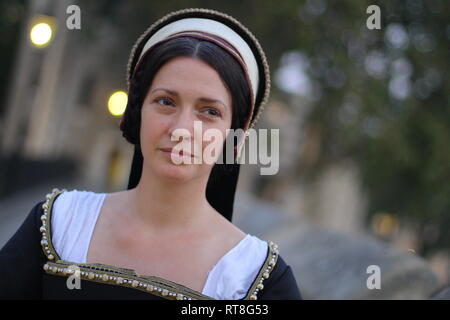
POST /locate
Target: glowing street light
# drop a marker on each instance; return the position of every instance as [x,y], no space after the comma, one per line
[41,34]
[117,103]
[42,30]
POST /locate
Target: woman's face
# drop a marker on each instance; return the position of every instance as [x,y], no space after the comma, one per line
[184,92]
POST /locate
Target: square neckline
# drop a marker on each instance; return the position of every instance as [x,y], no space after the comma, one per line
[210,272]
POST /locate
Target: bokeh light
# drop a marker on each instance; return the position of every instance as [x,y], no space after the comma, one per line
[41,34]
[117,103]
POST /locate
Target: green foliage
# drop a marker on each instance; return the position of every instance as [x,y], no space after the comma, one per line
[400,141]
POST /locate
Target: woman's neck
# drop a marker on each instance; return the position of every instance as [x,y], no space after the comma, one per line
[169,205]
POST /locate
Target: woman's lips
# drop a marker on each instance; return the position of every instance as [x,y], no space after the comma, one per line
[180,153]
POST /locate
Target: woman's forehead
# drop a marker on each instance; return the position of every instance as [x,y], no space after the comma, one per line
[184,75]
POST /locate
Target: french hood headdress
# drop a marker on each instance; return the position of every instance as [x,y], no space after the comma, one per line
[240,43]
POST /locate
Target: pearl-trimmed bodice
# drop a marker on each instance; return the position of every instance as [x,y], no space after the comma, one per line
[73,220]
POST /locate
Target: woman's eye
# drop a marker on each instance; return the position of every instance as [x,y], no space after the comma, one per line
[168,101]
[213,112]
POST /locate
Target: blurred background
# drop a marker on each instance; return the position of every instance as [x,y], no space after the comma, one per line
[364,119]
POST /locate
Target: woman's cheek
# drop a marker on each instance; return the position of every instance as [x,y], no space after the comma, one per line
[213,142]
[149,132]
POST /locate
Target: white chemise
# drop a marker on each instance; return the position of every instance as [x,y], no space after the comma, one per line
[75,214]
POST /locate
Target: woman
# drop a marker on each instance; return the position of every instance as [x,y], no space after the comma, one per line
[170,234]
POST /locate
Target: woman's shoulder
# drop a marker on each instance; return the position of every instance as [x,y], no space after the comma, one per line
[275,279]
[67,198]
[61,202]
[261,270]
[66,204]
[253,270]
[70,216]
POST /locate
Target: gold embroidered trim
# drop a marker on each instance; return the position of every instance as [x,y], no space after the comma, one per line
[154,285]
[264,273]
[45,229]
[127,277]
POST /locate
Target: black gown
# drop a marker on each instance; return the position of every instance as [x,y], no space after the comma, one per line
[30,268]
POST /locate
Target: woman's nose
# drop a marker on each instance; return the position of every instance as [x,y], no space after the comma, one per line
[183,124]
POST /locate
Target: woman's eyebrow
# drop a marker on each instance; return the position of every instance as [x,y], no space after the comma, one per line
[203,99]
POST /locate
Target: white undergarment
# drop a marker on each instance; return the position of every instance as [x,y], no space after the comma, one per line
[74,216]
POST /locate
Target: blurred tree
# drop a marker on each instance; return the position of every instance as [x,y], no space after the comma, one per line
[383,101]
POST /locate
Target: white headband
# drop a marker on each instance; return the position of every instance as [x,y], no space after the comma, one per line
[218,29]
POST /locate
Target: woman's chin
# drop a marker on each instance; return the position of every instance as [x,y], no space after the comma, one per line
[178,173]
